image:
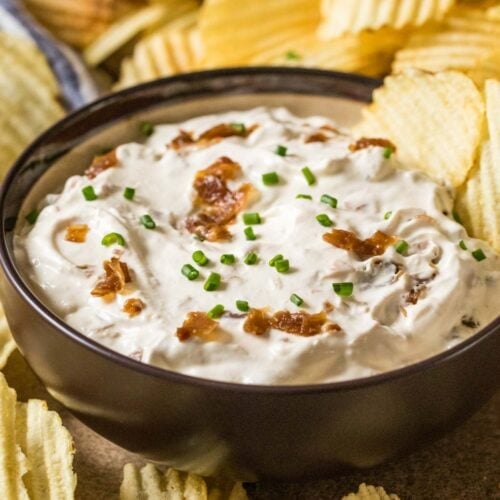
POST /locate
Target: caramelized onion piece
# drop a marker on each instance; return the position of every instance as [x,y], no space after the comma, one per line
[317,137]
[117,275]
[376,244]
[366,142]
[133,306]
[258,322]
[101,163]
[415,293]
[76,233]
[182,140]
[197,324]
[218,205]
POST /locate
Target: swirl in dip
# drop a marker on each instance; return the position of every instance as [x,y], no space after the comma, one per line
[374,272]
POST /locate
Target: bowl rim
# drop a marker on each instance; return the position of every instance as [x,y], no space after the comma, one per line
[21,287]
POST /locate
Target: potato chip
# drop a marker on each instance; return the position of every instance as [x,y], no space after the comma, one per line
[235,32]
[464,37]
[79,22]
[7,344]
[434,120]
[149,483]
[486,67]
[128,27]
[368,492]
[13,463]
[478,201]
[49,450]
[341,17]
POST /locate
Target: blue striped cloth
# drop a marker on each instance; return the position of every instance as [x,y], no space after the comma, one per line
[76,85]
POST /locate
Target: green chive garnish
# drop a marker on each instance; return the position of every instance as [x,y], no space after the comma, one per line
[242,305]
[32,216]
[282,265]
[291,55]
[189,272]
[146,128]
[250,235]
[329,200]
[239,128]
[304,196]
[343,289]
[212,283]
[298,301]
[113,238]
[200,258]
[147,221]
[270,179]
[324,220]
[387,215]
[216,311]
[129,193]
[309,176]
[89,193]
[250,259]
[401,246]
[281,150]
[456,217]
[387,152]
[478,254]
[227,258]
[462,245]
[252,218]
[275,259]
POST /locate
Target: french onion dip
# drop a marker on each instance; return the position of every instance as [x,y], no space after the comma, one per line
[261,248]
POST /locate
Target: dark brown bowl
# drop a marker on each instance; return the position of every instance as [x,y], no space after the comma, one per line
[248,432]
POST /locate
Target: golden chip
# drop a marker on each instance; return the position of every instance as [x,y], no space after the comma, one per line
[341,16]
[7,344]
[368,492]
[49,450]
[234,32]
[435,120]
[478,201]
[486,67]
[149,483]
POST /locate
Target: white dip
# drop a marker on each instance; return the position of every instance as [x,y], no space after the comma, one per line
[454,294]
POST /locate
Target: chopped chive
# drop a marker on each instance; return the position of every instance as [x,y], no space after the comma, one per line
[324,220]
[298,301]
[212,283]
[250,235]
[270,179]
[146,128]
[291,55]
[189,272]
[147,221]
[456,217]
[89,193]
[343,289]
[227,258]
[462,245]
[32,216]
[239,128]
[304,196]
[280,150]
[478,254]
[282,265]
[216,311]
[309,176]
[129,193]
[387,152]
[242,305]
[250,259]
[112,238]
[387,215]
[252,218]
[275,259]
[200,258]
[329,200]
[401,246]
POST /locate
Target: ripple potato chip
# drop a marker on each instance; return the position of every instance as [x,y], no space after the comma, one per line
[369,492]
[435,120]
[7,344]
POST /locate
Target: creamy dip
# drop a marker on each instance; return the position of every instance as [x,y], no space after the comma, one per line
[429,287]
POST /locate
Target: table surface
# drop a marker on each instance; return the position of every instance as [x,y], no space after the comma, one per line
[465,464]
